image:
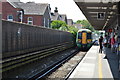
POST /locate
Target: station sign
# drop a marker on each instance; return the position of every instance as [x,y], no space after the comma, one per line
[101,16]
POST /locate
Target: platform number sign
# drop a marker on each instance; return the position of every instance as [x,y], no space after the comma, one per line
[101,16]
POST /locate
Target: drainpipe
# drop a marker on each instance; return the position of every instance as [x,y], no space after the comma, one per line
[21,15]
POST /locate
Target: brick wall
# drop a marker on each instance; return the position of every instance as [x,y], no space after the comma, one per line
[0,7]
[8,9]
[37,19]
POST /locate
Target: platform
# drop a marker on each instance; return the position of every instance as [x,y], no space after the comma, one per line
[95,65]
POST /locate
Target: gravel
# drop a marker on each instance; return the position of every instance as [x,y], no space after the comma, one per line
[35,67]
[63,71]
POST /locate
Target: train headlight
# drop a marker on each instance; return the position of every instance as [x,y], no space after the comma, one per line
[79,40]
[88,41]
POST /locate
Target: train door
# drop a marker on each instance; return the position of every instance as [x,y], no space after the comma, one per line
[84,38]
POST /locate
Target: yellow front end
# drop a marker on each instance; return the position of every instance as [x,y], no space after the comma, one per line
[84,37]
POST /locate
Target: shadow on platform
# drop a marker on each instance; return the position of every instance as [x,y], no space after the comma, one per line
[113,62]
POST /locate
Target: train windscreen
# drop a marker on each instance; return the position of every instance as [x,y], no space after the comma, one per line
[79,35]
[88,35]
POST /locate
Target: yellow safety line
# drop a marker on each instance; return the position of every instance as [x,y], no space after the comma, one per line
[100,67]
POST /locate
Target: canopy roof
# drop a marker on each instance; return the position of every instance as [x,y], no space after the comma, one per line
[100,13]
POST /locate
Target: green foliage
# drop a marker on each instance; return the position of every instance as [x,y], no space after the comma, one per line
[61,25]
[57,24]
[63,28]
[85,24]
[72,30]
[96,32]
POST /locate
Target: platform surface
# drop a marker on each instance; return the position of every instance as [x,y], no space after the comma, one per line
[95,65]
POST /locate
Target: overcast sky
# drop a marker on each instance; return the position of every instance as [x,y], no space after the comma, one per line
[67,7]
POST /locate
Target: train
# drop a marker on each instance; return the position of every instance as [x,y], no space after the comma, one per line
[84,39]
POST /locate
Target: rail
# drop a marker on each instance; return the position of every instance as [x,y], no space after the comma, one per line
[51,68]
[17,61]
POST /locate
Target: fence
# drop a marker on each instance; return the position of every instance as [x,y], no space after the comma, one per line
[20,38]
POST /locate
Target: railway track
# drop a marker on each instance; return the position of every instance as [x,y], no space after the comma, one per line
[67,68]
[28,71]
[16,61]
[52,67]
[71,71]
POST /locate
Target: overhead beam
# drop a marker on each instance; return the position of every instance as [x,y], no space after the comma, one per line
[96,4]
[101,10]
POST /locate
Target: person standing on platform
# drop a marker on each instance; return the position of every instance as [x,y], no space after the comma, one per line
[113,44]
[105,43]
[116,43]
[100,43]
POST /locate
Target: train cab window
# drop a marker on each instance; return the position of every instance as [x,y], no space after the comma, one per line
[88,35]
[79,35]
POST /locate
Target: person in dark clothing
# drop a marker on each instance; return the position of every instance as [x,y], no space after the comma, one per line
[100,43]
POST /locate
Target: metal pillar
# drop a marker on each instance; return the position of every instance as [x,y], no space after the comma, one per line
[118,22]
[118,17]
[0,43]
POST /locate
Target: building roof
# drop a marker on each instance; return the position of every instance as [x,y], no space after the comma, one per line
[54,16]
[79,26]
[12,2]
[62,17]
[32,7]
[57,16]
[70,22]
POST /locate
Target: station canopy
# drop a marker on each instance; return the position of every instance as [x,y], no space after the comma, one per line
[100,13]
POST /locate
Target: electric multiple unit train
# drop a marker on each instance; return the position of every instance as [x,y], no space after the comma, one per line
[84,39]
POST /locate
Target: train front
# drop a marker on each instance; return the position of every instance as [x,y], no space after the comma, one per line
[84,39]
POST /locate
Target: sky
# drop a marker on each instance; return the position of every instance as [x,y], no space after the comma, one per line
[67,7]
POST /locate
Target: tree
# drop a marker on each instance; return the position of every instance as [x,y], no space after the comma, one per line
[79,21]
[72,30]
[96,32]
[57,24]
[85,24]
[61,25]
[63,28]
